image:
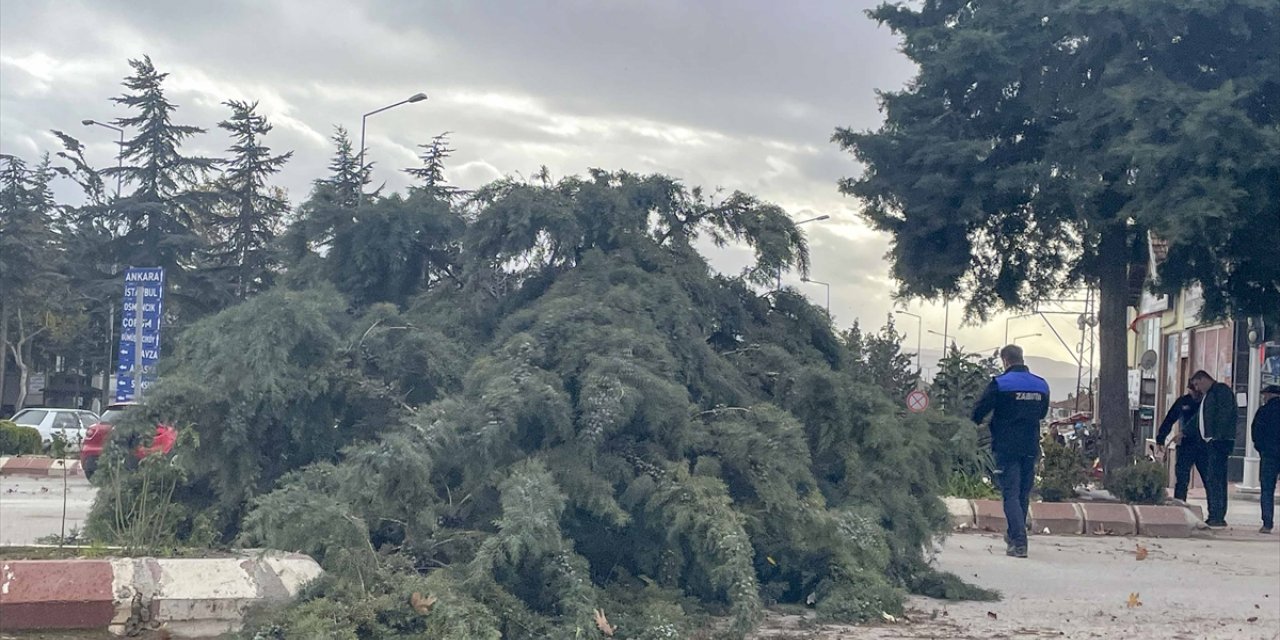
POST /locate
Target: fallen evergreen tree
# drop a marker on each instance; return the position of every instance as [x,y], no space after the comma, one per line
[559,422]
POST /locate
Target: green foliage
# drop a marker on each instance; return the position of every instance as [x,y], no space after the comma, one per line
[567,412]
[880,358]
[1062,470]
[158,224]
[18,441]
[1015,148]
[249,214]
[970,486]
[1142,482]
[1042,144]
[961,379]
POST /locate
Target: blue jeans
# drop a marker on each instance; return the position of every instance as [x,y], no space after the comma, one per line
[1270,469]
[1215,486]
[1016,474]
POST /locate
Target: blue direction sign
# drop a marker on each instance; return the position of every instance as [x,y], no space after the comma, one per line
[140,318]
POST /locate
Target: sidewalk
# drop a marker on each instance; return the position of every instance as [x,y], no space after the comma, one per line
[1244,513]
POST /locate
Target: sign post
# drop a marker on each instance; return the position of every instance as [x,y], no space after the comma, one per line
[140,319]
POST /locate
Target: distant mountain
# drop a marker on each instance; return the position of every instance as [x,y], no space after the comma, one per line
[1060,375]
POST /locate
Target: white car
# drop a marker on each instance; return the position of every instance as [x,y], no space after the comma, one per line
[71,424]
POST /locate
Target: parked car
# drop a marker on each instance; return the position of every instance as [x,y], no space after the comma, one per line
[71,424]
[96,439]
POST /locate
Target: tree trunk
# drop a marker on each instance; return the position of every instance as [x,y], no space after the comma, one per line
[1113,416]
[22,377]
[4,349]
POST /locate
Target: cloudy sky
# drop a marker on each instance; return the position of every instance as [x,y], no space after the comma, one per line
[739,95]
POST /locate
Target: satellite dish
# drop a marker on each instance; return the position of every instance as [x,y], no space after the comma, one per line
[1148,361]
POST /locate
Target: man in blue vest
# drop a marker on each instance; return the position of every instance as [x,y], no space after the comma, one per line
[1017,401]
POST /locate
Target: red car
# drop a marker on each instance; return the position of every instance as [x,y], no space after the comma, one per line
[96,439]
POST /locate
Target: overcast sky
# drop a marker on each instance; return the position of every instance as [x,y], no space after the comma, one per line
[740,95]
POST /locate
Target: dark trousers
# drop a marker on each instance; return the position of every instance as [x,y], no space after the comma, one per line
[1015,474]
[1215,485]
[1268,471]
[1189,454]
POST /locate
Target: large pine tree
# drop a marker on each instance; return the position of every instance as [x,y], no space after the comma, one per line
[1041,142]
[250,212]
[30,264]
[157,224]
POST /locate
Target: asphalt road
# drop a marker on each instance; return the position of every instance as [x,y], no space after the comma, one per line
[31,507]
[1189,589]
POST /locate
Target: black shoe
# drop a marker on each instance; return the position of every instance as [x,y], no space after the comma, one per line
[1216,524]
[1016,552]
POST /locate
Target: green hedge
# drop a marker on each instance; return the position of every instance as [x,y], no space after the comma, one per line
[1143,482]
[16,441]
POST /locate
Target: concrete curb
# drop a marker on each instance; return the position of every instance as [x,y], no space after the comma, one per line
[185,597]
[1080,518]
[1059,518]
[39,466]
[961,512]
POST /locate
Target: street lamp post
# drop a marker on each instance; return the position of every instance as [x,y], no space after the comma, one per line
[111,305]
[417,97]
[946,339]
[1029,335]
[825,284]
[1010,319]
[815,219]
[119,152]
[919,335]
[946,326]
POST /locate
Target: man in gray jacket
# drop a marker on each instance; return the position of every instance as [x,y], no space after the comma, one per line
[1218,417]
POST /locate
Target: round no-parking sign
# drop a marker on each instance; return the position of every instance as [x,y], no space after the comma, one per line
[917,401]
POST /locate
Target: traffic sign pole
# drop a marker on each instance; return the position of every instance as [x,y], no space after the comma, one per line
[139,292]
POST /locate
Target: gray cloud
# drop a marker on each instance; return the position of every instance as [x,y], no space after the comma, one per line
[740,95]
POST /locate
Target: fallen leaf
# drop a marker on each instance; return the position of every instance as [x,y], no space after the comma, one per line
[420,604]
[992,615]
[771,560]
[602,623]
[1141,552]
[1252,619]
[1133,601]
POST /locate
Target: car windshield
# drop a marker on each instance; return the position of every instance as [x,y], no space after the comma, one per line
[30,417]
[112,415]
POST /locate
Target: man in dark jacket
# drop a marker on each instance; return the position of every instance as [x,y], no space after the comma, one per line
[1217,417]
[1190,448]
[1266,439]
[1017,401]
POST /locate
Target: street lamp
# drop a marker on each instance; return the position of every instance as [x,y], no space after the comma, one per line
[945,339]
[119,153]
[417,97]
[805,221]
[1029,335]
[919,329]
[111,305]
[825,284]
[1010,319]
